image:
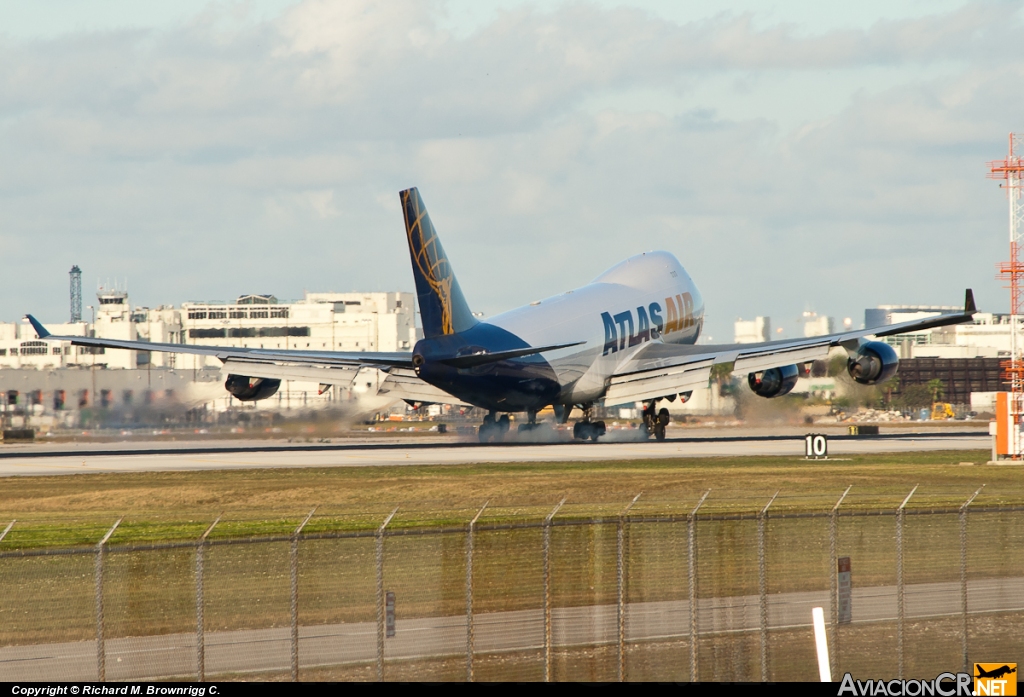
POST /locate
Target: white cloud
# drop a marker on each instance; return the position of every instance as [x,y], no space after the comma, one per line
[205,162]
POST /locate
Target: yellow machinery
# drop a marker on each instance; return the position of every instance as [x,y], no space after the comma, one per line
[942,410]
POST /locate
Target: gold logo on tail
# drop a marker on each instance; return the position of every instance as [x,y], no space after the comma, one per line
[430,259]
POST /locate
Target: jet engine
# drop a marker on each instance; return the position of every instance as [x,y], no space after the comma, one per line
[874,362]
[247,389]
[774,382]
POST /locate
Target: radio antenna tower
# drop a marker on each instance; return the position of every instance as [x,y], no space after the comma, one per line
[1011,172]
[76,294]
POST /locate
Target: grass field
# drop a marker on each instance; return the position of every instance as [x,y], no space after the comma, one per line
[78,509]
[52,598]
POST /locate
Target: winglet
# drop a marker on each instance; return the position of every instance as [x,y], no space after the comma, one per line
[969,307]
[41,331]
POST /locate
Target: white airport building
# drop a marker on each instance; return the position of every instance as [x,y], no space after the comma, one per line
[326,321]
[20,348]
[320,321]
[72,377]
[760,328]
[752,331]
[817,325]
[986,336]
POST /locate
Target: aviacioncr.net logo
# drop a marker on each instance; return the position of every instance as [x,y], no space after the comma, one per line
[995,679]
[944,685]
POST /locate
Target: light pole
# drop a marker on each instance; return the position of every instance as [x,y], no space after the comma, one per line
[92,351]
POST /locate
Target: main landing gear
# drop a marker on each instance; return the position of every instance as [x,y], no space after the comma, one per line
[586,428]
[655,421]
[493,428]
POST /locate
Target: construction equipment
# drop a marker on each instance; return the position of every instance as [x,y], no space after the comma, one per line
[942,410]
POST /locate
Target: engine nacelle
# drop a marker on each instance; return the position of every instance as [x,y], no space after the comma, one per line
[774,382]
[874,362]
[246,389]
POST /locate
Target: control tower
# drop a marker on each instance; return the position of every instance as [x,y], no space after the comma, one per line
[113,321]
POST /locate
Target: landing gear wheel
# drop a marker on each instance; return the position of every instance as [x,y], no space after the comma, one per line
[489,429]
[650,420]
[588,430]
[660,423]
[494,429]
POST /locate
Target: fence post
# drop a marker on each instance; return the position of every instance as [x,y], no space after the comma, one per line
[833,578]
[692,548]
[101,652]
[762,587]
[963,576]
[380,595]
[620,568]
[201,605]
[900,513]
[295,595]
[547,591]
[469,594]
[7,529]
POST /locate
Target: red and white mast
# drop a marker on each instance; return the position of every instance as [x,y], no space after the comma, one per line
[1011,172]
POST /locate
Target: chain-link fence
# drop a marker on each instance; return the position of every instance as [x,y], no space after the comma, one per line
[689,592]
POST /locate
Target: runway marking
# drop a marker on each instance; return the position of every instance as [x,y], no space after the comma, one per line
[72,468]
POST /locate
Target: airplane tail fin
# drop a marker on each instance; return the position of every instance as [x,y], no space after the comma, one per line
[443,308]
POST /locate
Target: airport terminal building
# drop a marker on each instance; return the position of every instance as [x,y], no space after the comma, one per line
[324,321]
[39,377]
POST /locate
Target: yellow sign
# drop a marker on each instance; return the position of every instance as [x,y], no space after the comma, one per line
[995,679]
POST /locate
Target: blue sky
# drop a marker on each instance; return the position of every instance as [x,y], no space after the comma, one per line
[793,155]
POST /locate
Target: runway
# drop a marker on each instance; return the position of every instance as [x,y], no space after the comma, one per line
[44,459]
[269,650]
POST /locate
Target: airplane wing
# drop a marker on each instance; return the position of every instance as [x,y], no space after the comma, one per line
[249,356]
[661,369]
[323,367]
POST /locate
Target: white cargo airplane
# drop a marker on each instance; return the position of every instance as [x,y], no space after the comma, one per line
[629,336]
